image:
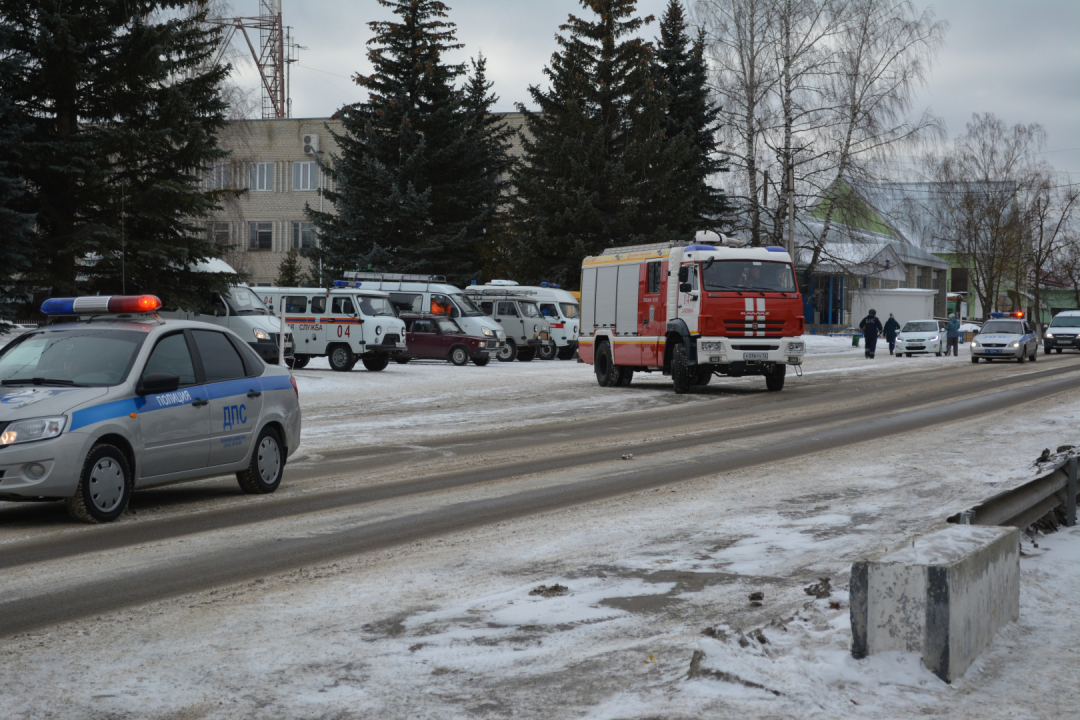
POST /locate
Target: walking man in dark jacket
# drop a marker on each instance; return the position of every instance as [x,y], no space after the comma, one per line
[871,328]
[952,335]
[892,328]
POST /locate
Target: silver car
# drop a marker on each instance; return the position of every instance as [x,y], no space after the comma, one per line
[94,409]
[1005,337]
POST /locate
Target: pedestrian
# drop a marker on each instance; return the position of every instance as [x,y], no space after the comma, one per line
[892,328]
[952,335]
[871,328]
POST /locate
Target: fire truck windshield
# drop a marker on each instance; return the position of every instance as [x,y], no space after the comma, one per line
[749,275]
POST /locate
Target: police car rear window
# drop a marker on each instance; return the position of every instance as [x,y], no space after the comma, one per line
[220,360]
[84,357]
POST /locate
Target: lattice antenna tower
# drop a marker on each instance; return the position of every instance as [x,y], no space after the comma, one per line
[270,57]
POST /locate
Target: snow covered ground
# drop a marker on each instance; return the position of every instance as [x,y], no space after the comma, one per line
[450,628]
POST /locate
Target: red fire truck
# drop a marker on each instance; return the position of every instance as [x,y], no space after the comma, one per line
[691,312]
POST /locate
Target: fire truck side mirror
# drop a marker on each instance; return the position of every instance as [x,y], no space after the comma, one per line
[685,287]
[684,274]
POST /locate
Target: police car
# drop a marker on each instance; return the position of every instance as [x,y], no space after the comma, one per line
[1005,336]
[93,409]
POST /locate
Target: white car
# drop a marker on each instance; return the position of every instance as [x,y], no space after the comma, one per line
[1005,337]
[921,336]
[1063,332]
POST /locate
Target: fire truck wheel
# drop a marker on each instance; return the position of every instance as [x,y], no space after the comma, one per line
[375,363]
[547,352]
[566,353]
[342,358]
[775,380]
[680,371]
[526,354]
[604,366]
[481,362]
[704,375]
[626,376]
[459,355]
[508,352]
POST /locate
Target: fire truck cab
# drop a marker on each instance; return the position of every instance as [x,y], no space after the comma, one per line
[691,312]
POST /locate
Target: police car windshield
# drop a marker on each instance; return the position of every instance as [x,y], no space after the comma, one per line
[1066,321]
[569,310]
[749,275]
[919,327]
[244,301]
[465,305]
[84,357]
[529,309]
[1003,327]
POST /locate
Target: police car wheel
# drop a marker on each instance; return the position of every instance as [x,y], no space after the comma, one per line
[104,486]
[508,352]
[547,352]
[974,359]
[481,362]
[342,358]
[1023,355]
[459,355]
[263,473]
[377,362]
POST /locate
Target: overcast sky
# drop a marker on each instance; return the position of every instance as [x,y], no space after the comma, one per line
[1019,59]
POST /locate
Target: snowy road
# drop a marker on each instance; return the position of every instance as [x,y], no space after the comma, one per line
[390,576]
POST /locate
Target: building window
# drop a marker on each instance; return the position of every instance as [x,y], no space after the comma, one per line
[262,176]
[218,232]
[304,175]
[303,235]
[262,236]
[219,177]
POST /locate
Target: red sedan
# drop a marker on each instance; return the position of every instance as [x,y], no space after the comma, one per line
[440,338]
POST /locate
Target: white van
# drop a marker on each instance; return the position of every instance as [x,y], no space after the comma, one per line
[430,294]
[240,310]
[559,307]
[528,332]
[345,324]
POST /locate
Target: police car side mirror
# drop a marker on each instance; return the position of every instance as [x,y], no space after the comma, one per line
[152,383]
[685,287]
[684,274]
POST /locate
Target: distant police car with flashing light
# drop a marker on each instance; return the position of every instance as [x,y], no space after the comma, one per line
[93,409]
[1005,336]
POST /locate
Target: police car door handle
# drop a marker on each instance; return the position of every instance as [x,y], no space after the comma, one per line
[254,393]
[199,402]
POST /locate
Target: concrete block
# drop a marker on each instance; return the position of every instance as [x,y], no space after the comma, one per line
[944,597]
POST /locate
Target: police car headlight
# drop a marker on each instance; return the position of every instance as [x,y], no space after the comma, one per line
[260,334]
[712,346]
[378,329]
[974,343]
[22,431]
[487,332]
[1016,344]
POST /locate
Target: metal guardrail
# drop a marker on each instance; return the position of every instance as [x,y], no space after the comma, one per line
[1024,505]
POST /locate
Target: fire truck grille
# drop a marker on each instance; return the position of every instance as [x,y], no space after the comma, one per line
[391,339]
[754,347]
[770,328]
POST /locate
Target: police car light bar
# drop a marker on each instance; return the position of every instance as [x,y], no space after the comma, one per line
[1017,314]
[98,304]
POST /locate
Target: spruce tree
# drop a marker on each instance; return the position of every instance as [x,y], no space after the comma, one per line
[123,115]
[15,247]
[691,114]
[597,157]
[290,271]
[417,177]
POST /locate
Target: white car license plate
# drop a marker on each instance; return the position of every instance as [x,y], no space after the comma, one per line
[755,356]
[994,352]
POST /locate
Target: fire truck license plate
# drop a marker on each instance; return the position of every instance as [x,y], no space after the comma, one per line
[755,356]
